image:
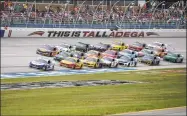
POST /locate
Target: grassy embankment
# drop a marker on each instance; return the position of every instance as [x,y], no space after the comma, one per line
[165,88]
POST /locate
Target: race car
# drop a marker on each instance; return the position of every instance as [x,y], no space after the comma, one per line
[47,50]
[150,59]
[93,62]
[160,53]
[101,47]
[119,46]
[62,55]
[137,46]
[43,64]
[65,47]
[83,47]
[158,45]
[157,51]
[173,57]
[77,54]
[109,62]
[144,52]
[110,53]
[125,52]
[127,60]
[71,62]
[93,53]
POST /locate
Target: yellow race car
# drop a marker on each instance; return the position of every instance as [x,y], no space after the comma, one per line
[119,46]
[93,62]
[71,62]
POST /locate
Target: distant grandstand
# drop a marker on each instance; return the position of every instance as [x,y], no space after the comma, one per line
[102,14]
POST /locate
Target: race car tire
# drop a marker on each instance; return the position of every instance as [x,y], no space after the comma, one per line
[30,66]
[73,67]
[53,67]
[135,64]
[100,66]
[178,60]
[81,66]
[128,65]
[175,61]
[95,66]
[44,68]
[181,61]
[110,65]
[50,54]
[116,65]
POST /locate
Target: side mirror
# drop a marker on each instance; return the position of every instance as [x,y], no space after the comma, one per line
[132,52]
[98,60]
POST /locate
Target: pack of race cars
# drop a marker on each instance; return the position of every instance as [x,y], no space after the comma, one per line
[104,55]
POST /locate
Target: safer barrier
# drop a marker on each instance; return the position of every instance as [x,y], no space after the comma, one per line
[84,33]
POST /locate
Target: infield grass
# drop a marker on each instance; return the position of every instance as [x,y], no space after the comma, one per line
[165,88]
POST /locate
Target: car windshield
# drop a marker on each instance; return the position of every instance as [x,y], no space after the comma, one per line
[41,61]
[108,58]
[137,44]
[146,51]
[64,45]
[70,59]
[64,53]
[91,59]
[48,47]
[92,52]
[125,57]
[118,43]
[110,52]
[127,51]
[149,56]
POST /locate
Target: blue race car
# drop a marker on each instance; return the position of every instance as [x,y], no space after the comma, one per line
[43,64]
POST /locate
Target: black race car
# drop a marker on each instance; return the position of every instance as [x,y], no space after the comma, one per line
[101,47]
[83,47]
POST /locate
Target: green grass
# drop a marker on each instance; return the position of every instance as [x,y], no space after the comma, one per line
[165,89]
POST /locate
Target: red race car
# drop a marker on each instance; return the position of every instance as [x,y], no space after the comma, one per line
[110,53]
[137,46]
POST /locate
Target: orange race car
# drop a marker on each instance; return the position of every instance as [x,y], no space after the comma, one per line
[71,62]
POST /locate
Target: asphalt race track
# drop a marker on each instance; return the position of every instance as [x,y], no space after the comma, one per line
[16,53]
[178,111]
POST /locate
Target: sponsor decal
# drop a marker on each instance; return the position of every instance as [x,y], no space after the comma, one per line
[95,34]
[37,33]
[152,33]
[2,32]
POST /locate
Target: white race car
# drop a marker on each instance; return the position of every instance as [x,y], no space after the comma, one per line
[157,46]
[65,47]
[109,62]
[127,61]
